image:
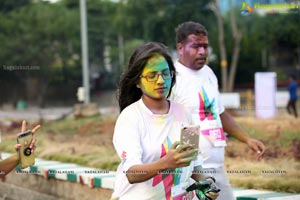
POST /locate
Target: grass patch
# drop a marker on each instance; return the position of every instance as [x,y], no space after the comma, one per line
[69,125]
[111,165]
[287,137]
[274,184]
[281,175]
[8,146]
[66,158]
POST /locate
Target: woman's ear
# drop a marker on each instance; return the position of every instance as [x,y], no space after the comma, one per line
[138,85]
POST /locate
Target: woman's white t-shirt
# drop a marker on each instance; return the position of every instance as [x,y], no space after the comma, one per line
[143,137]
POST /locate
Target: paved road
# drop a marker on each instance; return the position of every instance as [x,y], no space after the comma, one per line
[47,113]
[35,113]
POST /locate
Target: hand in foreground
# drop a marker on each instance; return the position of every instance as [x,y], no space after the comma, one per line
[33,131]
[213,191]
[11,162]
[205,190]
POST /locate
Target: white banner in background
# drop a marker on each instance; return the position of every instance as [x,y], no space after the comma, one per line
[265,90]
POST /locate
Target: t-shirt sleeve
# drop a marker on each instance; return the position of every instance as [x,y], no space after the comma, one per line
[127,141]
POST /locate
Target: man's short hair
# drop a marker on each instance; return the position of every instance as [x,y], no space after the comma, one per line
[187,28]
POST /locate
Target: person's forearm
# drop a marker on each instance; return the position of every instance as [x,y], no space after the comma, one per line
[232,128]
[143,172]
[8,164]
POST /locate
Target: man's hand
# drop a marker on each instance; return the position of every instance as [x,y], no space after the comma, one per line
[230,126]
[205,190]
[257,146]
[213,192]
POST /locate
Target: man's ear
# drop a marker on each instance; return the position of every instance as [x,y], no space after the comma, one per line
[138,85]
[179,47]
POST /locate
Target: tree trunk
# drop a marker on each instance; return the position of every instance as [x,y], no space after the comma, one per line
[228,82]
[237,36]
[223,62]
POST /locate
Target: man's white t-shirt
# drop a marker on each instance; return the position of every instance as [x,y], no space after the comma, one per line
[198,91]
[143,137]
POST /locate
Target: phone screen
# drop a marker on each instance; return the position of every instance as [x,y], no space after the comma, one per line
[26,157]
[190,135]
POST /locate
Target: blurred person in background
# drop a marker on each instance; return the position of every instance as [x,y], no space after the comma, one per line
[292,103]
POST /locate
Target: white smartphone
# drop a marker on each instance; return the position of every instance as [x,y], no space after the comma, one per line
[27,158]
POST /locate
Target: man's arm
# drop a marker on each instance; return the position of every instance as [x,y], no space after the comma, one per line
[231,127]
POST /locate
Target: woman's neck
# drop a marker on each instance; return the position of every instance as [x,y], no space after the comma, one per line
[156,106]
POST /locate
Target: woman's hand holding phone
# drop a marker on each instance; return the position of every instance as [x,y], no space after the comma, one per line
[180,155]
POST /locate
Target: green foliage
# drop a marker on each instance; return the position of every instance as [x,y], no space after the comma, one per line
[100,15]
[34,36]
[156,20]
[27,41]
[9,5]
[130,47]
[261,34]
[38,33]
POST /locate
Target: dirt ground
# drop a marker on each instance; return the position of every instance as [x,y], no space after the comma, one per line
[281,136]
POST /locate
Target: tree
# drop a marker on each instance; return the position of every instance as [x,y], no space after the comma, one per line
[8,5]
[34,37]
[270,43]
[227,82]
